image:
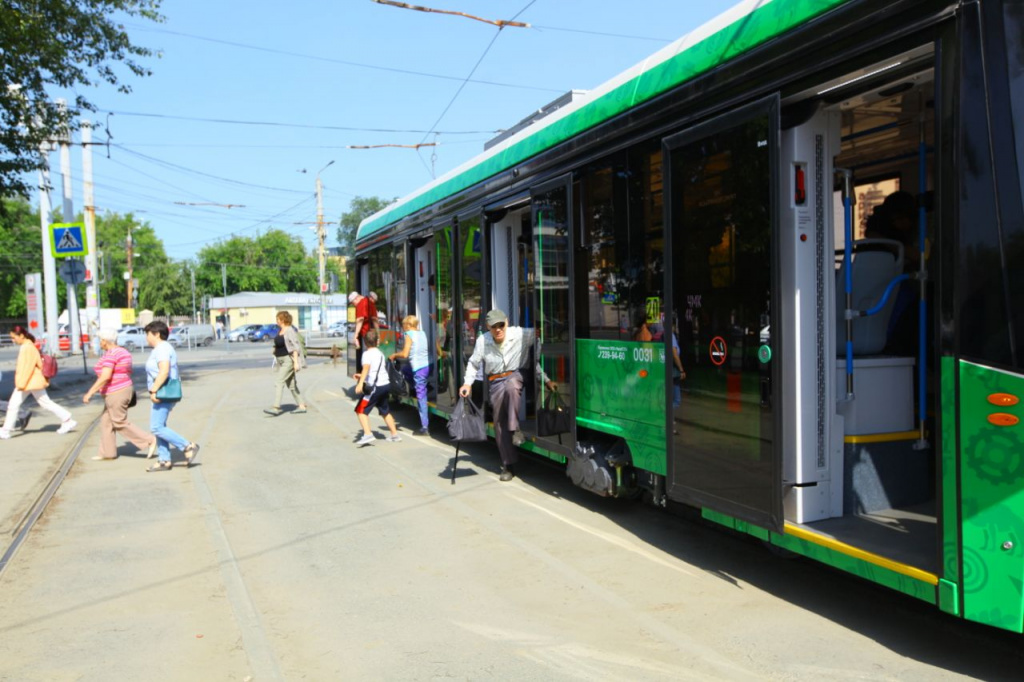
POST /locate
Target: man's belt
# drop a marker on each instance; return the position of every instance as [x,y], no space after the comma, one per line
[495,377]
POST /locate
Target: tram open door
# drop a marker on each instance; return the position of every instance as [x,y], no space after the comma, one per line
[725,446]
[530,275]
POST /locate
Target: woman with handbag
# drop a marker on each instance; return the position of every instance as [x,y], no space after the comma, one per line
[164,385]
[29,379]
[372,390]
[416,352]
[114,383]
[288,359]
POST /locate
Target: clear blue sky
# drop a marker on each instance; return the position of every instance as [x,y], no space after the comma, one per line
[305,65]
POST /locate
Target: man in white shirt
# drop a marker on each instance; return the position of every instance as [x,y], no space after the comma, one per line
[498,357]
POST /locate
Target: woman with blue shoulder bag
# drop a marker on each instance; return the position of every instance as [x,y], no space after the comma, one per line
[164,384]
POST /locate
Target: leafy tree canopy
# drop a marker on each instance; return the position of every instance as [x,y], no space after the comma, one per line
[360,208]
[57,45]
[274,261]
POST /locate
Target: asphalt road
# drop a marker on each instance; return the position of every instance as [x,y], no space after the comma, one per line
[290,554]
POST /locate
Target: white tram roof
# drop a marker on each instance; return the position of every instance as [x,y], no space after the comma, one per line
[734,32]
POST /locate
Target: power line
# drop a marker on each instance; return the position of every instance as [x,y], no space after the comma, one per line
[602,33]
[298,125]
[471,72]
[185,169]
[330,60]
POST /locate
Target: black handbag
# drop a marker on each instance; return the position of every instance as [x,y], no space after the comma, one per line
[553,418]
[467,422]
[399,386]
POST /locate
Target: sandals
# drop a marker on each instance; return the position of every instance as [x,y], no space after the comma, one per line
[160,466]
[273,411]
[299,410]
[191,454]
[97,458]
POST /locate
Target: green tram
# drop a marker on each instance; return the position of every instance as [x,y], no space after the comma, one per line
[820,202]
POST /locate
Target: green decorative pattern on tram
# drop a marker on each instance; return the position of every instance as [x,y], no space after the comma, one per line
[992,498]
[621,391]
[747,32]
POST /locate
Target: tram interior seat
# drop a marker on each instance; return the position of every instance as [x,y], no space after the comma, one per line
[876,262]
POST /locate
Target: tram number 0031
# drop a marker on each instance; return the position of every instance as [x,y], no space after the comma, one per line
[643,354]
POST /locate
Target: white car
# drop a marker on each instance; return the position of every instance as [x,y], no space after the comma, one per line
[131,338]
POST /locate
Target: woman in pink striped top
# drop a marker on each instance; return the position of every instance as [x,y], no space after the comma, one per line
[114,383]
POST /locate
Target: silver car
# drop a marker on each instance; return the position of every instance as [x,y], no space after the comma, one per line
[131,338]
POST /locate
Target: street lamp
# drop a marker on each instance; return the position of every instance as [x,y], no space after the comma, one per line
[321,233]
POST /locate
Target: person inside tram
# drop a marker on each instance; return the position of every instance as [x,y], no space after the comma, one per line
[641,332]
[896,219]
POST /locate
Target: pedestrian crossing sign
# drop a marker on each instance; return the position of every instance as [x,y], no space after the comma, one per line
[68,240]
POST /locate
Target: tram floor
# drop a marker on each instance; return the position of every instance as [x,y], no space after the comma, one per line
[907,535]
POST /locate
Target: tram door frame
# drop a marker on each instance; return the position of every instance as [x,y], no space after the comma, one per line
[562,369]
[359,277]
[769,515]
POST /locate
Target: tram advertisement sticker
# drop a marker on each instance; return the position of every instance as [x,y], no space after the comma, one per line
[718,351]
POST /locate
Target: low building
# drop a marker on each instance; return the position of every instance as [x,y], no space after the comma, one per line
[260,307]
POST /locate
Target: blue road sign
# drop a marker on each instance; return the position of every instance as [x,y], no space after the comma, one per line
[68,240]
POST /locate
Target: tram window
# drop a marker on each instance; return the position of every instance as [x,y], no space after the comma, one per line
[1013,16]
[984,327]
[399,291]
[621,218]
[381,280]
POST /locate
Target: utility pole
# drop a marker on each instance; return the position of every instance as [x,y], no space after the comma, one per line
[49,262]
[74,321]
[224,309]
[130,274]
[321,233]
[192,271]
[92,283]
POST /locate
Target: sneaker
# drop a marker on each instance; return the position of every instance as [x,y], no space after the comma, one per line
[67,426]
[424,431]
[366,439]
[394,439]
[5,435]
[273,411]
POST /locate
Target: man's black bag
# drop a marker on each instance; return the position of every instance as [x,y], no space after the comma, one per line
[398,385]
[467,422]
[553,418]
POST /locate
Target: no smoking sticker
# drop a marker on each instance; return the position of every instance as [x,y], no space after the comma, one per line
[718,351]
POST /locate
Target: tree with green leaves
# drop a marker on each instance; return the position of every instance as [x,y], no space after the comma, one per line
[274,261]
[58,45]
[20,254]
[148,258]
[360,208]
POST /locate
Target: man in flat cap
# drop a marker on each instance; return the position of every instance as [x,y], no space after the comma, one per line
[498,356]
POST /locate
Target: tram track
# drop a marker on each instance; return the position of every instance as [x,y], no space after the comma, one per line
[25,524]
[35,511]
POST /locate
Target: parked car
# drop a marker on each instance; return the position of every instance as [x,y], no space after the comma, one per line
[340,328]
[192,335]
[243,332]
[266,332]
[131,338]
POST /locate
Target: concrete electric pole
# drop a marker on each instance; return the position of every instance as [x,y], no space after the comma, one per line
[74,320]
[321,233]
[92,283]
